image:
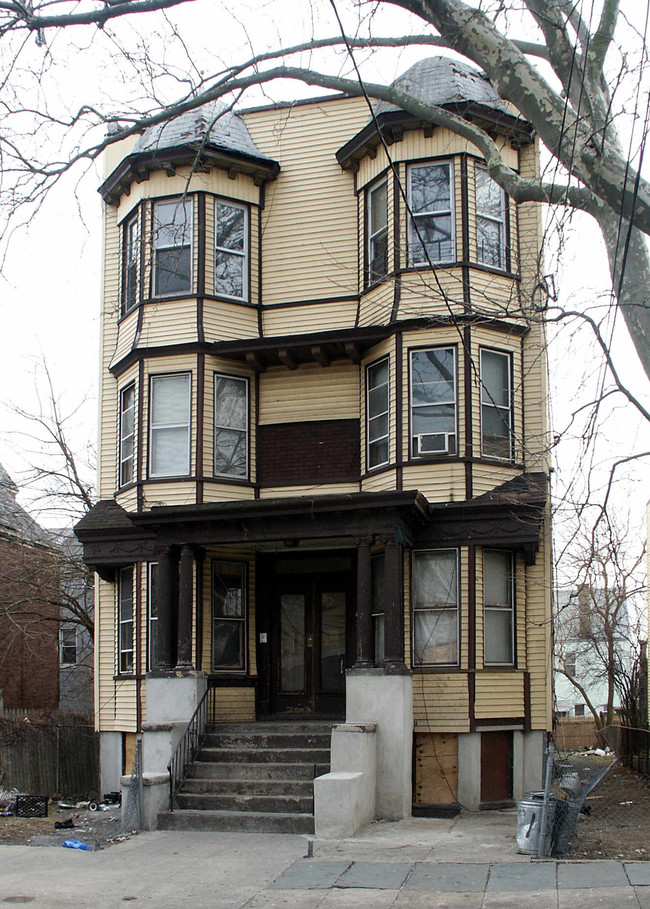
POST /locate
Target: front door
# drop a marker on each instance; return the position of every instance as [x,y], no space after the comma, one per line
[310,613]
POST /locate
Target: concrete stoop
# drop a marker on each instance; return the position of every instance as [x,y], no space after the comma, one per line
[253,777]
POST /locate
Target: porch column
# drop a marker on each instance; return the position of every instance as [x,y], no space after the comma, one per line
[364,605]
[164,602]
[185,601]
[394,606]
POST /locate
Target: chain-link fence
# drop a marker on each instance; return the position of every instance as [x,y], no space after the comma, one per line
[133,799]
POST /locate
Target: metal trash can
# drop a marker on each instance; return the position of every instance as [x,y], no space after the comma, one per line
[529,820]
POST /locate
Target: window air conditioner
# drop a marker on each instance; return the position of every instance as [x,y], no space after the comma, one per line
[434,443]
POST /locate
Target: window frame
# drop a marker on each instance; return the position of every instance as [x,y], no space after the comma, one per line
[125,582]
[153,428]
[242,569]
[187,203]
[63,645]
[373,236]
[412,236]
[490,403]
[246,431]
[417,555]
[378,606]
[500,609]
[387,413]
[500,221]
[131,240]
[418,455]
[224,250]
[124,437]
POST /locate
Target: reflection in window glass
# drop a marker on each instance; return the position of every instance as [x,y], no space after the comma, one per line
[230,426]
[433,401]
[431,232]
[172,244]
[498,608]
[378,416]
[231,250]
[490,220]
[496,406]
[377,227]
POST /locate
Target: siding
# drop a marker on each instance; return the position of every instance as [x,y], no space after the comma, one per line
[168,322]
[311,392]
[312,189]
[499,694]
[311,317]
[440,702]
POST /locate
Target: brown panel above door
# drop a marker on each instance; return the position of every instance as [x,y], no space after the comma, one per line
[319,451]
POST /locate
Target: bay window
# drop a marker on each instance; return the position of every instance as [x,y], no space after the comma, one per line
[125,620]
[435,608]
[431,222]
[377,414]
[230,426]
[231,250]
[377,231]
[127,434]
[498,624]
[172,247]
[496,404]
[490,220]
[169,432]
[433,402]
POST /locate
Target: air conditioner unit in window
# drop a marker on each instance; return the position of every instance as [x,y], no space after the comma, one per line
[434,443]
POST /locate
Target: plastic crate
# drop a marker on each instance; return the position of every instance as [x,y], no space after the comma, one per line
[31,805]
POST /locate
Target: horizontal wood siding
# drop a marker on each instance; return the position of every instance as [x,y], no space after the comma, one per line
[538,634]
[376,305]
[314,489]
[311,392]
[290,320]
[168,322]
[234,705]
[499,694]
[440,702]
[180,492]
[313,190]
[443,482]
[226,492]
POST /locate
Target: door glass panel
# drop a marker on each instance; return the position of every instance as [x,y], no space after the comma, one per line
[332,644]
[292,642]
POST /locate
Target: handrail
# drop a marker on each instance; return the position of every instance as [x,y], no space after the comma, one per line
[190,743]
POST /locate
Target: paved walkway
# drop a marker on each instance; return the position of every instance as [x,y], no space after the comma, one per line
[469,862]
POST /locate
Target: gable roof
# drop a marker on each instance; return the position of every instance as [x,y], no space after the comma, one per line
[15,522]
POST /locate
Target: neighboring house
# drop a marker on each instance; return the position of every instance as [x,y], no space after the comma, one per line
[76,651]
[323,470]
[593,646]
[29,606]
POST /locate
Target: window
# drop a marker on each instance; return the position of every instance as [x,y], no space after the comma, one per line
[68,645]
[231,250]
[377,414]
[378,609]
[172,245]
[496,405]
[131,262]
[498,624]
[431,225]
[125,620]
[435,608]
[377,231]
[127,434]
[228,616]
[170,426]
[433,402]
[152,618]
[570,665]
[490,220]
[579,710]
[230,426]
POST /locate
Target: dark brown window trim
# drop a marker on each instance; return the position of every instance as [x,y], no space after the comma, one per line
[120,489]
[221,678]
[318,301]
[218,298]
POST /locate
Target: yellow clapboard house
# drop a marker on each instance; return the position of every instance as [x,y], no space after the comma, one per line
[323,441]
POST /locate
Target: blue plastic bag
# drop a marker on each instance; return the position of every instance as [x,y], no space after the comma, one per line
[75,844]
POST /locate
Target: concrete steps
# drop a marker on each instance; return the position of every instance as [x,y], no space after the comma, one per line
[255,777]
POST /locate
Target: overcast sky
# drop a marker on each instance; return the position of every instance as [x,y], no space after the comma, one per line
[50,285]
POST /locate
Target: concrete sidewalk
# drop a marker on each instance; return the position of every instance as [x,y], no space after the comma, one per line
[470,862]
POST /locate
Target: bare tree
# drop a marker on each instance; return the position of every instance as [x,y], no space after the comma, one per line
[600,631]
[563,82]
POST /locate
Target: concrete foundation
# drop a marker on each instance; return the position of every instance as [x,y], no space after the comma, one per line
[469,770]
[386,699]
[527,766]
[155,791]
[172,697]
[344,799]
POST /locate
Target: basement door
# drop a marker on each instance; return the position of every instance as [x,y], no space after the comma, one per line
[309,653]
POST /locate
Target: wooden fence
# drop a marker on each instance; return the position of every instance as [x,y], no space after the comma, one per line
[49,758]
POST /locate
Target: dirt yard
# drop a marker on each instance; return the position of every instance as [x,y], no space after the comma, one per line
[96,828]
[618,823]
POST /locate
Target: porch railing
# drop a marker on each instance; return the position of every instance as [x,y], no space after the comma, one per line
[191,742]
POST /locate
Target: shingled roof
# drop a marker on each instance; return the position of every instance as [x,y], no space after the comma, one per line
[15,522]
